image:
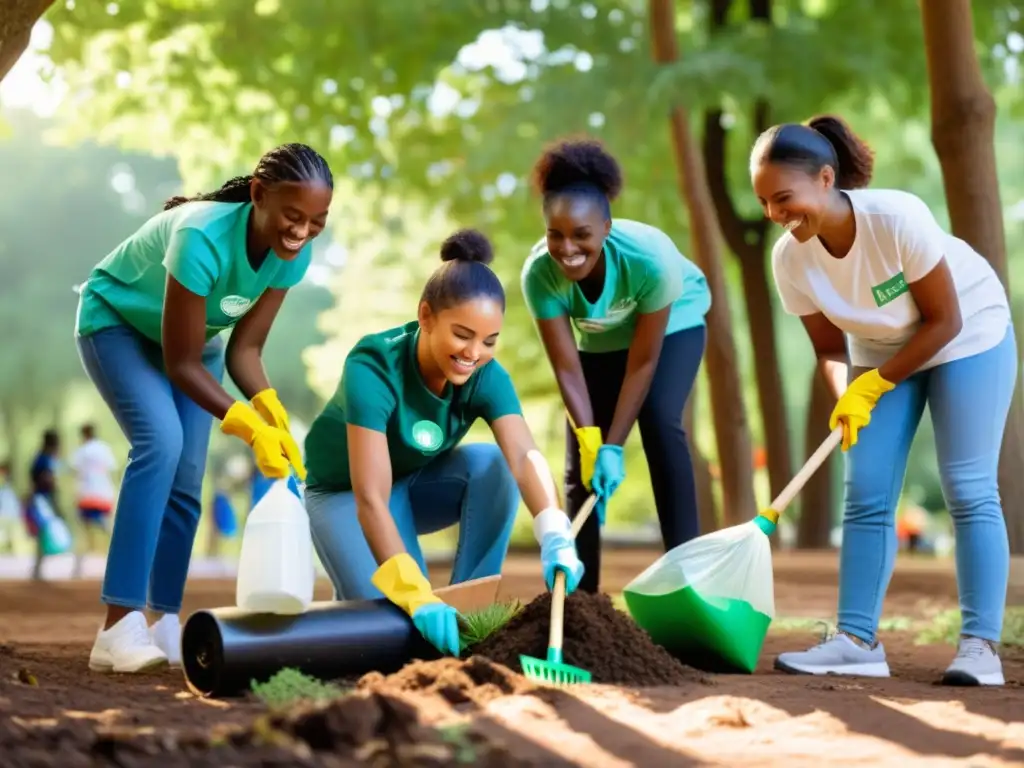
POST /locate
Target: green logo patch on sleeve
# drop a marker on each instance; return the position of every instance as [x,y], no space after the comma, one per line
[891,289]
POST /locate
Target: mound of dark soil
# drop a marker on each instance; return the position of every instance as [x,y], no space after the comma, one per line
[597,637]
[475,680]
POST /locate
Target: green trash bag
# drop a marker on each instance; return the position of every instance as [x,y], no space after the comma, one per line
[709,601]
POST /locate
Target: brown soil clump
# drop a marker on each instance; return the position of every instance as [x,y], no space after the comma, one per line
[597,637]
[475,680]
[360,729]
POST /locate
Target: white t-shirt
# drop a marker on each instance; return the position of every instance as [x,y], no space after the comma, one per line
[93,463]
[865,294]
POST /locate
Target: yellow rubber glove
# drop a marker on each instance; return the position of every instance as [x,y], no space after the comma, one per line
[853,410]
[269,407]
[590,441]
[403,583]
[274,448]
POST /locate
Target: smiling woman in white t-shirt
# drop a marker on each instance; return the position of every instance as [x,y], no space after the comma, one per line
[923,320]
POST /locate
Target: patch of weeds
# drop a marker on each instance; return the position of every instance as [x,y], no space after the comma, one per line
[895,624]
[480,625]
[458,736]
[290,686]
[798,624]
[945,628]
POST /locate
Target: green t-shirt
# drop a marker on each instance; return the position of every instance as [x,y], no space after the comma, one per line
[203,244]
[382,389]
[644,272]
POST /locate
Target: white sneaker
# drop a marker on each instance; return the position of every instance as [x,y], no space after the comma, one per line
[838,655]
[976,663]
[166,635]
[126,647]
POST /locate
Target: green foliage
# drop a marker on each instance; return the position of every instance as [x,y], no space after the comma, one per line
[477,626]
[290,686]
[432,113]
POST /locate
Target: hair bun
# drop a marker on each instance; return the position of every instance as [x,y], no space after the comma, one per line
[467,245]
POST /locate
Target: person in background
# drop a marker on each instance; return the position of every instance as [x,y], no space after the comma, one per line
[10,510]
[901,315]
[638,305]
[148,331]
[387,461]
[93,463]
[43,491]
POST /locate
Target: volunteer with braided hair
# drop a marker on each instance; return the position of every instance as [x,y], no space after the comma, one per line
[638,305]
[922,319]
[148,332]
[386,462]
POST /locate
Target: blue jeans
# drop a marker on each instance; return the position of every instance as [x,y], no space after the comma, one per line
[159,504]
[969,400]
[472,485]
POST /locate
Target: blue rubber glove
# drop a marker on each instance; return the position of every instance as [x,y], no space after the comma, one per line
[609,472]
[559,552]
[439,624]
[553,532]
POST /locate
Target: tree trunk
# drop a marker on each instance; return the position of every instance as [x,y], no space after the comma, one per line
[702,472]
[732,434]
[816,499]
[963,134]
[747,239]
[17,17]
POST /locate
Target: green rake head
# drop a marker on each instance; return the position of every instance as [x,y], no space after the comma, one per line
[552,671]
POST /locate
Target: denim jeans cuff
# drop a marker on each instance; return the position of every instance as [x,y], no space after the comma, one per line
[121,602]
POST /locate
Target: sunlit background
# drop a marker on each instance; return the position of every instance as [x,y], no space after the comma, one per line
[431,120]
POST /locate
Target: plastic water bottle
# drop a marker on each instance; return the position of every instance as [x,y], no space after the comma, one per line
[275,570]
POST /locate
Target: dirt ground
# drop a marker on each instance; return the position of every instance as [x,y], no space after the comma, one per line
[767,718]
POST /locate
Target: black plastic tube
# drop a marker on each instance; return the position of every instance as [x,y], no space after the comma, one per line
[223,650]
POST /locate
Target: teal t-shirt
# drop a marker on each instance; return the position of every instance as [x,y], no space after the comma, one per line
[203,245]
[382,389]
[644,272]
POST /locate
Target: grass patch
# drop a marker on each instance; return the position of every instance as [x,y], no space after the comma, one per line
[945,628]
[290,686]
[458,736]
[479,625]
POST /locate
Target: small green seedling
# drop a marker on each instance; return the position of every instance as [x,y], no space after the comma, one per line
[480,625]
[290,686]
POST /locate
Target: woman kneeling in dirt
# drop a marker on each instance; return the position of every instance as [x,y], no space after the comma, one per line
[384,459]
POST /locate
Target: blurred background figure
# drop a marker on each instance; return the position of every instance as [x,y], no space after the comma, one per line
[10,511]
[912,529]
[94,465]
[42,512]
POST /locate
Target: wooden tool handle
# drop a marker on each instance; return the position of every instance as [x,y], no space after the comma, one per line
[807,470]
[584,513]
[558,588]
[557,610]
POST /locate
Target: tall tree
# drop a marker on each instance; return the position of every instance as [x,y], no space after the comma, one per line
[747,239]
[963,134]
[17,17]
[729,412]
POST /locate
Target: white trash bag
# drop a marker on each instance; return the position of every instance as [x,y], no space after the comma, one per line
[733,563]
[275,569]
